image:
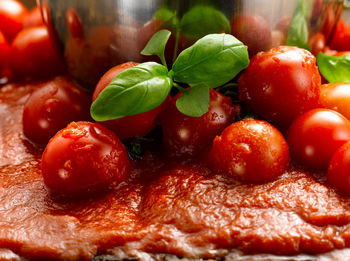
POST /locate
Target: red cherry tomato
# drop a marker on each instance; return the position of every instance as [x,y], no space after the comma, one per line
[34,18]
[318,43]
[51,107]
[74,24]
[5,71]
[339,170]
[253,31]
[12,14]
[316,135]
[188,136]
[130,126]
[251,151]
[84,157]
[34,54]
[336,96]
[281,84]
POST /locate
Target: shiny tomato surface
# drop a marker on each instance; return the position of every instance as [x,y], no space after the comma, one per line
[12,14]
[189,136]
[251,151]
[336,96]
[253,31]
[338,174]
[316,135]
[129,126]
[84,157]
[281,84]
[51,107]
[34,54]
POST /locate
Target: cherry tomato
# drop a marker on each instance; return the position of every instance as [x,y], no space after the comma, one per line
[84,157]
[251,151]
[338,174]
[34,54]
[188,136]
[281,84]
[337,41]
[5,71]
[12,14]
[318,43]
[336,96]
[316,135]
[253,31]
[74,24]
[130,126]
[34,18]
[51,107]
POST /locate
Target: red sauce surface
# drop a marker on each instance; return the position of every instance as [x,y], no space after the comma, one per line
[174,207]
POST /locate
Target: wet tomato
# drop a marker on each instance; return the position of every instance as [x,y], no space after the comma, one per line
[12,14]
[251,151]
[316,135]
[51,107]
[281,84]
[188,136]
[253,31]
[129,126]
[84,157]
[34,54]
[336,96]
[338,174]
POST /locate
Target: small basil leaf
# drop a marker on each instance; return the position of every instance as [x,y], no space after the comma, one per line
[333,68]
[211,61]
[202,20]
[164,14]
[133,91]
[298,33]
[156,45]
[194,102]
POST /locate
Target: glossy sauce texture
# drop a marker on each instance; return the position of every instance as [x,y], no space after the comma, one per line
[165,207]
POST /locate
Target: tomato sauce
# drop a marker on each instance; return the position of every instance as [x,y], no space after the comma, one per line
[179,208]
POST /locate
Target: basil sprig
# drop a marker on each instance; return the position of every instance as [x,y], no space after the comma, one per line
[210,62]
[298,32]
[334,68]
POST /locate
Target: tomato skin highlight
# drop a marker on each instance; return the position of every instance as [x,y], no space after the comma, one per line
[12,14]
[338,174]
[84,157]
[316,135]
[34,54]
[336,96]
[250,151]
[185,136]
[51,107]
[129,126]
[281,84]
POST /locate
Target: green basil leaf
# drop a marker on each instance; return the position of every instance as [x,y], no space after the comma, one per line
[333,68]
[164,14]
[202,20]
[156,45]
[211,61]
[298,33]
[194,102]
[133,91]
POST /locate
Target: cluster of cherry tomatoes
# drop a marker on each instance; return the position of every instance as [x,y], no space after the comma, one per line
[282,86]
[26,48]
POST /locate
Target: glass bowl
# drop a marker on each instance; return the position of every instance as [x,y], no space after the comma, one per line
[95,35]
